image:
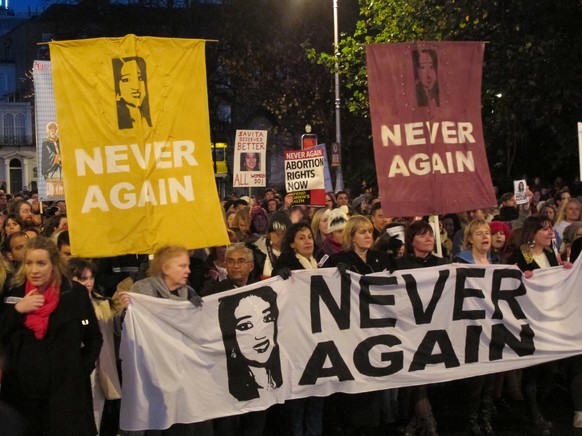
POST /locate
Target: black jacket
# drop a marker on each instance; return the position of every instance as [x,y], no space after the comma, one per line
[410,261]
[376,261]
[525,261]
[55,369]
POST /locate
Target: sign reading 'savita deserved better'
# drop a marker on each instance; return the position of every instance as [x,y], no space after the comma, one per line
[250,158]
[133,118]
[425,104]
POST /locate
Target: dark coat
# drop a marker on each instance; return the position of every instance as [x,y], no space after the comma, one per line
[525,262]
[221,286]
[286,260]
[55,370]
[376,261]
[410,261]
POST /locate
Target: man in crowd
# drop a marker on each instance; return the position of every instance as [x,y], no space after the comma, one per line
[14,248]
[239,264]
[379,220]
[342,199]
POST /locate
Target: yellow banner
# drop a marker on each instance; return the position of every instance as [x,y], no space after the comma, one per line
[134,114]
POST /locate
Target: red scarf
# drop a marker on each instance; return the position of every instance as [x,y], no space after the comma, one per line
[37,321]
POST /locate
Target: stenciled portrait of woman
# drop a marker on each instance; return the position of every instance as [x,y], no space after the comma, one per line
[248,322]
[426,77]
[131,91]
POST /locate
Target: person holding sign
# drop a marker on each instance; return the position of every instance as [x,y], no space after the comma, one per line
[168,278]
[361,411]
[420,243]
[535,252]
[480,389]
[297,249]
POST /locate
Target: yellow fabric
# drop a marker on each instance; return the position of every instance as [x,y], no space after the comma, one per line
[133,186]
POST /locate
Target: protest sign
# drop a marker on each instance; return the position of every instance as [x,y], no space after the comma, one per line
[323,332]
[316,197]
[425,105]
[50,180]
[304,171]
[250,158]
[133,113]
[519,187]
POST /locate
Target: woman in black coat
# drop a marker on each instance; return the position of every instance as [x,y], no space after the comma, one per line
[361,413]
[52,340]
[359,256]
[535,251]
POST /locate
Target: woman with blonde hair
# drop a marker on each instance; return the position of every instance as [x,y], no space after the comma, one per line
[480,389]
[358,255]
[362,411]
[319,225]
[50,332]
[476,244]
[168,278]
[241,223]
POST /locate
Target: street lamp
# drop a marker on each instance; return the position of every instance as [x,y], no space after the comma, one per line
[339,178]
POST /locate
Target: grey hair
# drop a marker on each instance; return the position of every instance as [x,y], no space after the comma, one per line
[240,246]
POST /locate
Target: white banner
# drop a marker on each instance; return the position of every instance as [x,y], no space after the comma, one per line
[319,333]
[250,158]
[304,170]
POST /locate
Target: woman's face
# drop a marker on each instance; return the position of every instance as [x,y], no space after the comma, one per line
[572,212]
[131,84]
[426,71]
[363,238]
[11,226]
[87,279]
[423,244]
[323,225]
[230,220]
[176,271]
[550,213]
[255,329]
[38,267]
[328,202]
[251,161]
[480,239]
[498,240]
[544,236]
[303,242]
[243,225]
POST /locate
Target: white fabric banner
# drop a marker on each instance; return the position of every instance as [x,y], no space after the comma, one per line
[319,333]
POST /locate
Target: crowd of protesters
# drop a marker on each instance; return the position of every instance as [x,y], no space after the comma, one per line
[269,235]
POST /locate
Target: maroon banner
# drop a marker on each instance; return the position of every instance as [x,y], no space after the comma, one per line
[425,104]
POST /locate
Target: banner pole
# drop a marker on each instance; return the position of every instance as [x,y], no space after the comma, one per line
[580,147]
[434,220]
